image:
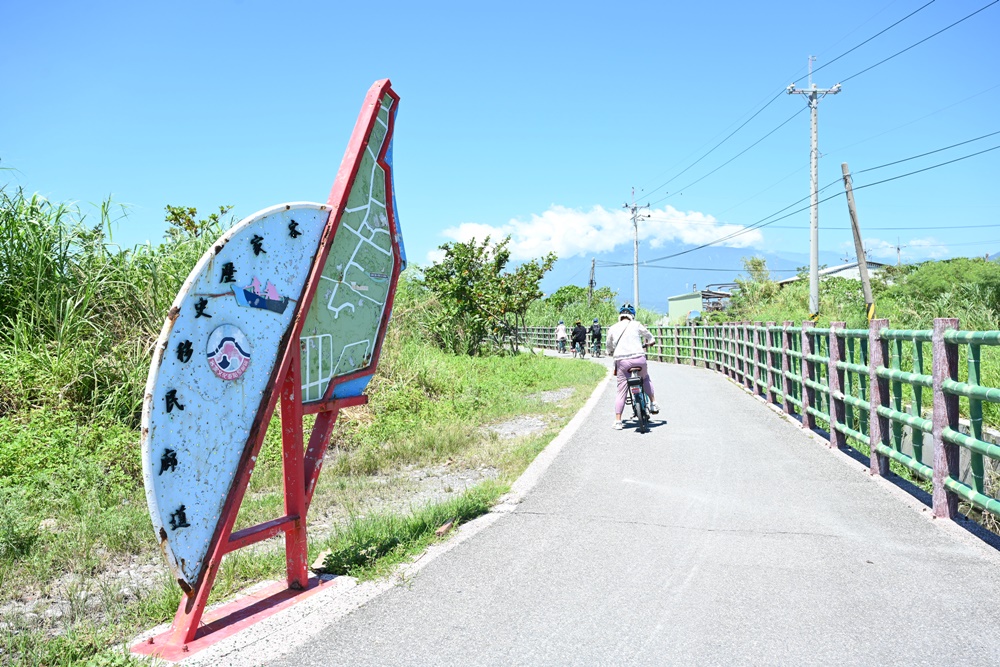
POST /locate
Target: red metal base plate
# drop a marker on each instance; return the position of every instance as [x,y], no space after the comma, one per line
[227,620]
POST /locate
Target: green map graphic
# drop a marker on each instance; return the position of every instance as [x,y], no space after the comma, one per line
[342,325]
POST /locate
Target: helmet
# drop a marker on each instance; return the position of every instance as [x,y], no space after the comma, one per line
[627,309]
[578,323]
[596,321]
[560,321]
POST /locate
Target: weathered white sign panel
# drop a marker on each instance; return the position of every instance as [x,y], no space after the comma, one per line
[213,365]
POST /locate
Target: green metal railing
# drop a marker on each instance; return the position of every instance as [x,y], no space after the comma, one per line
[870,386]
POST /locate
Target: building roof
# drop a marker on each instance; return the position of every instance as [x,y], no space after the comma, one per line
[830,270]
[704,294]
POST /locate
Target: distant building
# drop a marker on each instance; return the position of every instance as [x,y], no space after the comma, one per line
[851,271]
[683,307]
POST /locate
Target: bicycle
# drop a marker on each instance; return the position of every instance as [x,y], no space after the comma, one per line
[579,348]
[636,397]
[595,348]
[561,345]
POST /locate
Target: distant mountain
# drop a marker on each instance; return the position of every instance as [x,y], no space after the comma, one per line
[702,268]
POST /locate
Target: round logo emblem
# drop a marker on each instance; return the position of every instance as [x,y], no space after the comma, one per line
[228,352]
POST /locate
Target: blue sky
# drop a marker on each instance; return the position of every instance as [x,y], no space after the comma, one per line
[524,118]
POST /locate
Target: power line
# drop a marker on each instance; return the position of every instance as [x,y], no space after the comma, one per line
[788,120]
[711,150]
[898,53]
[858,46]
[778,94]
[693,268]
[858,143]
[937,150]
[761,223]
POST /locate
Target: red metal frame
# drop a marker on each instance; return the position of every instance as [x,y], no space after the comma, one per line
[301,463]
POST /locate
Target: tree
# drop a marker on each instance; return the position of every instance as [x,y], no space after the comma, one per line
[184,223]
[566,295]
[479,300]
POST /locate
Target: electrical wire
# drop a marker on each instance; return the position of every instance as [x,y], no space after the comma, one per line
[788,120]
[937,150]
[898,53]
[761,223]
[855,48]
[711,150]
[777,95]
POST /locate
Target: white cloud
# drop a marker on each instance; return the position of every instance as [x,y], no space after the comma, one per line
[570,232]
[910,250]
[434,256]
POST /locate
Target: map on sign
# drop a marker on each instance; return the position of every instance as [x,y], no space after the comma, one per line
[342,329]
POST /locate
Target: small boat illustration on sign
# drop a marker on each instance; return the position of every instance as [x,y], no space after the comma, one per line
[266,298]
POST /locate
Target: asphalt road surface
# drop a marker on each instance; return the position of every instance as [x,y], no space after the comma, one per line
[724,536]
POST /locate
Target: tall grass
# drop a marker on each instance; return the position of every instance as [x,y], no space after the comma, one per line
[79,314]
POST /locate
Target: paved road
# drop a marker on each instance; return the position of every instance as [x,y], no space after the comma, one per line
[725,536]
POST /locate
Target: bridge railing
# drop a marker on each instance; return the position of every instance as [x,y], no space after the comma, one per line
[851,384]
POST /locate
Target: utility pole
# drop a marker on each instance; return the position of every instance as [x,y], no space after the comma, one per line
[634,210]
[899,253]
[813,96]
[591,283]
[858,245]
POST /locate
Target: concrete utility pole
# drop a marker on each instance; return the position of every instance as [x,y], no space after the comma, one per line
[634,210]
[591,283]
[859,247]
[813,96]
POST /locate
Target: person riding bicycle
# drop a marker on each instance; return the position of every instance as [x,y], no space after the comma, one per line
[561,336]
[595,337]
[627,342]
[579,338]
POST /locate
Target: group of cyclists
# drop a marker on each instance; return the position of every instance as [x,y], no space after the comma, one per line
[578,336]
[627,343]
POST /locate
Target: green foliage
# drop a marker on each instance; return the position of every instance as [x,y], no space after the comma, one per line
[79,314]
[911,296]
[476,299]
[570,303]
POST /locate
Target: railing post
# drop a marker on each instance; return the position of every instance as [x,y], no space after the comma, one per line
[756,358]
[729,338]
[837,413]
[747,359]
[786,343]
[808,393]
[727,345]
[945,415]
[771,388]
[694,361]
[878,395]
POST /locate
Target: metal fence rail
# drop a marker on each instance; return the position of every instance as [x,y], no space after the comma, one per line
[852,384]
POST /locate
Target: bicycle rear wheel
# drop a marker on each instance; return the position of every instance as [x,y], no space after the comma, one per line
[642,408]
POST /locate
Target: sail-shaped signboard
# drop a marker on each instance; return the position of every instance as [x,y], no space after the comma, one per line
[292,302]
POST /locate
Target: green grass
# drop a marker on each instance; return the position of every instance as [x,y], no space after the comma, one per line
[370,546]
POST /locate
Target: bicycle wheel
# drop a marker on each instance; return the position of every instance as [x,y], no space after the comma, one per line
[642,410]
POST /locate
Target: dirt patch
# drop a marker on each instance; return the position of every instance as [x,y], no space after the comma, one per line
[96,595]
[555,395]
[518,427]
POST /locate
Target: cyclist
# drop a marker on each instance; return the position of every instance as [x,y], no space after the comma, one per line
[627,342]
[595,337]
[579,339]
[561,337]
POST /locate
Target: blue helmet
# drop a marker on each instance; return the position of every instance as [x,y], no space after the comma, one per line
[596,321]
[560,321]
[627,309]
